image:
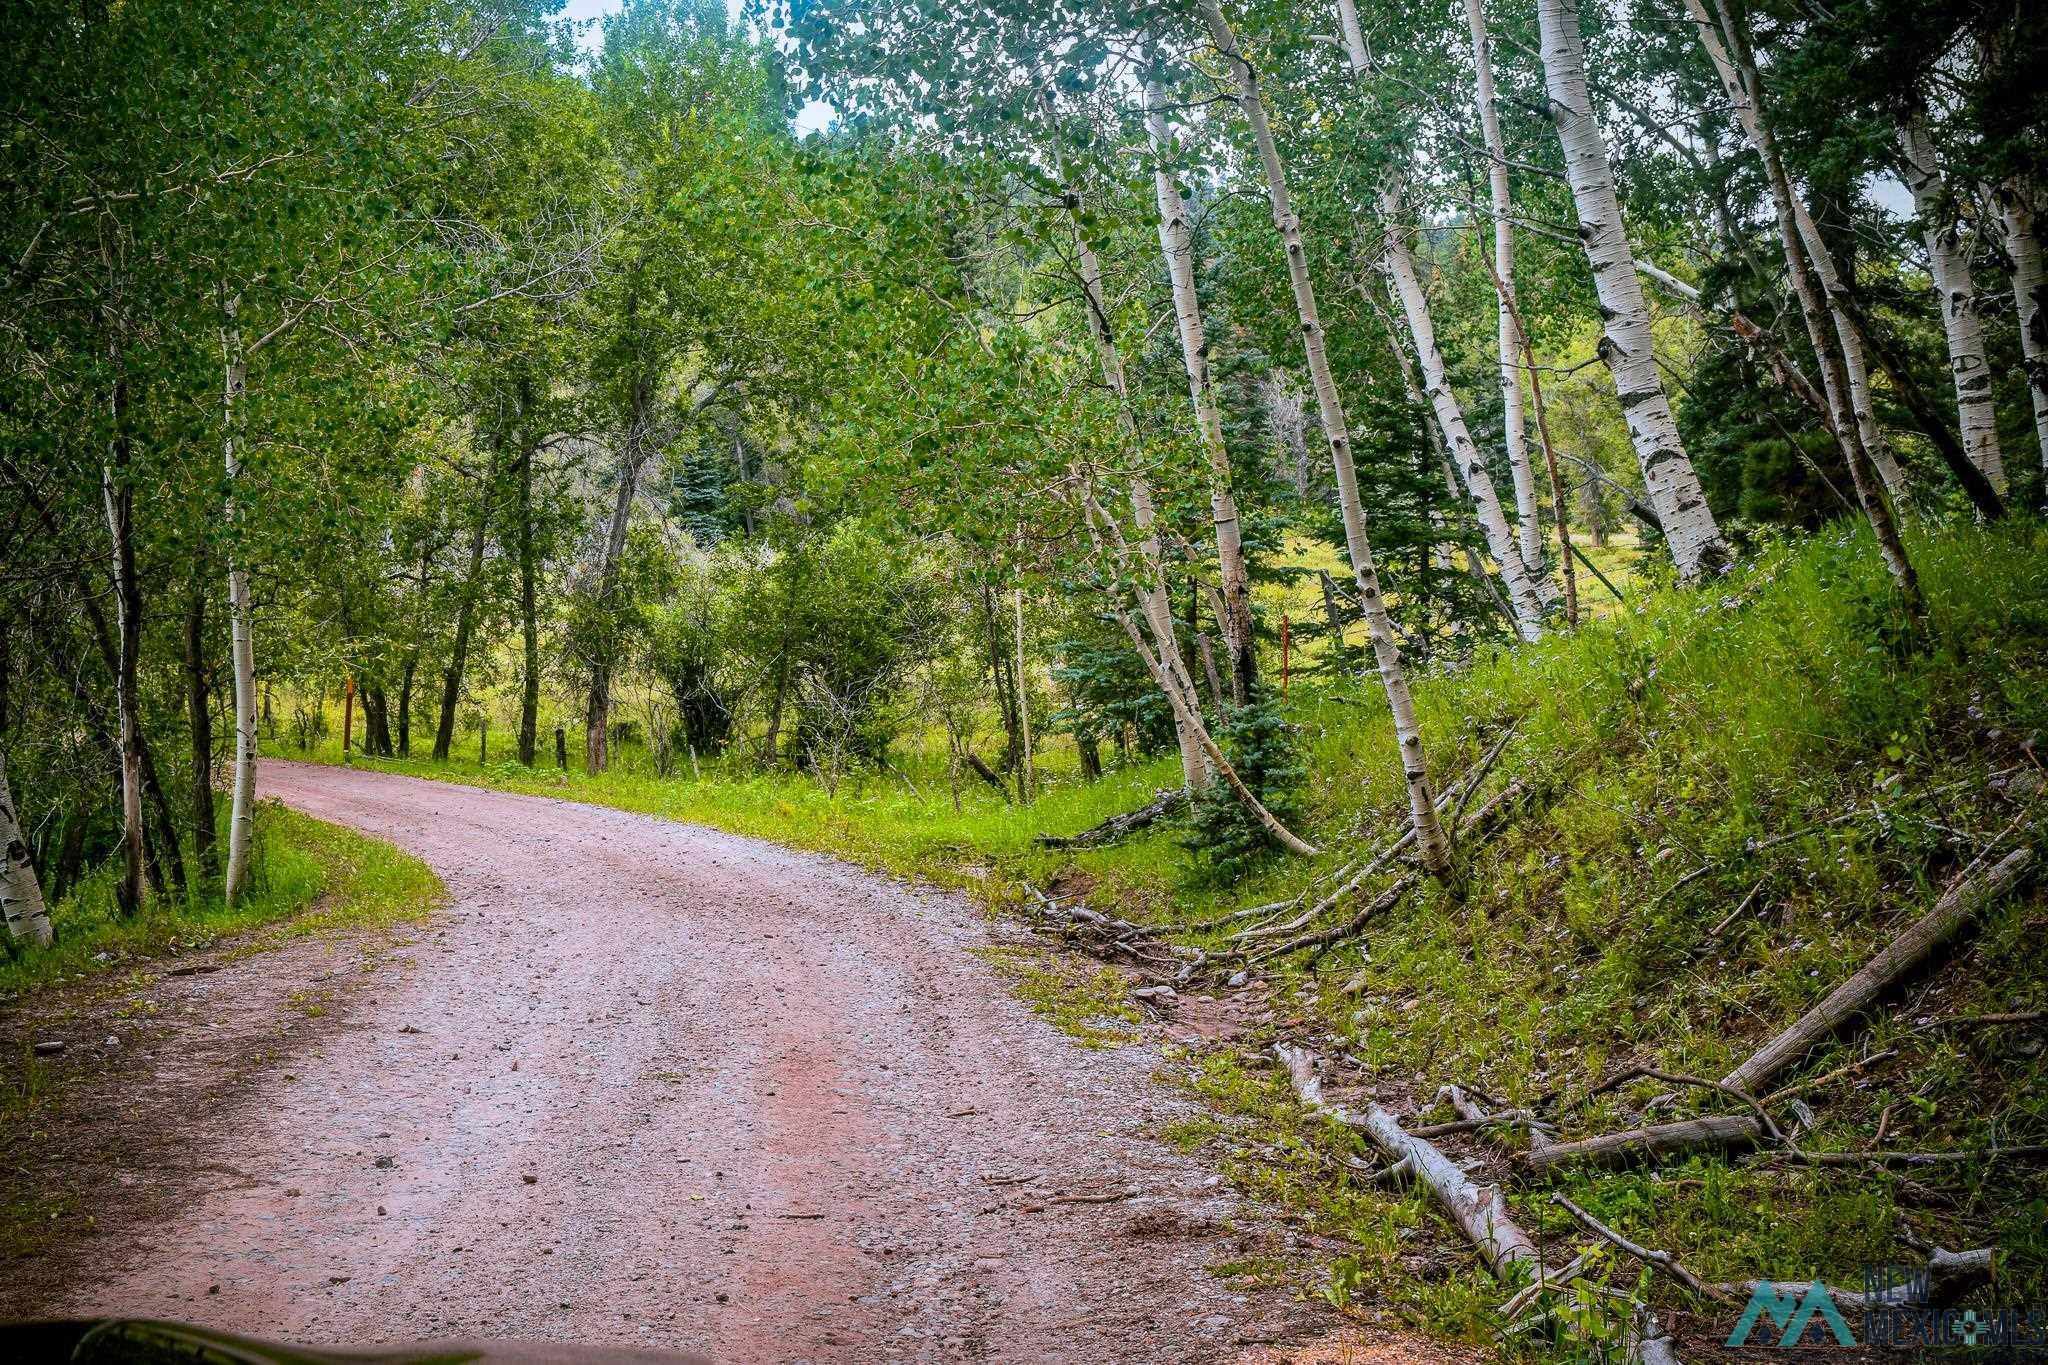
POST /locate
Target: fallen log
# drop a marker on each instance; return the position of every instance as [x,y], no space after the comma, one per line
[986,773]
[1163,804]
[1612,1149]
[1480,1211]
[1950,915]
[1946,1270]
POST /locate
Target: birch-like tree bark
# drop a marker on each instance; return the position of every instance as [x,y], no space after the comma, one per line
[2030,299]
[1949,263]
[1863,472]
[1176,241]
[1504,273]
[1432,847]
[1508,556]
[21,895]
[117,496]
[1668,475]
[1803,234]
[1150,588]
[241,617]
[1098,523]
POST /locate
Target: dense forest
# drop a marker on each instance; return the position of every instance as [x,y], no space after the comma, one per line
[1502,469]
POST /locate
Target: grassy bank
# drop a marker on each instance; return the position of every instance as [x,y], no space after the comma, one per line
[305,877]
[1740,794]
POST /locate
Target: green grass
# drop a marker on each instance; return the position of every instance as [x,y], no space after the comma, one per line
[307,877]
[1668,740]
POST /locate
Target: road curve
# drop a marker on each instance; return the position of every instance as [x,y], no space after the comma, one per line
[647,1084]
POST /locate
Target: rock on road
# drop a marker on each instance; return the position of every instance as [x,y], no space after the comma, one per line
[647,1084]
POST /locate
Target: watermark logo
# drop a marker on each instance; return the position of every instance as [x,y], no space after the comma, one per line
[1793,1314]
[1896,1312]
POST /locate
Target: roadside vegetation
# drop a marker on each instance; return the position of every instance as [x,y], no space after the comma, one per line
[307,877]
[1735,801]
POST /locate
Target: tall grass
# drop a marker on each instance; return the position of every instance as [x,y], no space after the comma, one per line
[305,877]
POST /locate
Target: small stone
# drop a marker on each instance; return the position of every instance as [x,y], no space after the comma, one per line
[49,1047]
[530,1179]
[213,1289]
[1238,979]
[337,1279]
[385,1163]
[292,1193]
[721,1297]
[1161,993]
[381,1213]
[112,1041]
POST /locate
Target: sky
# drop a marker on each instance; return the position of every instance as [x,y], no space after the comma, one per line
[809,119]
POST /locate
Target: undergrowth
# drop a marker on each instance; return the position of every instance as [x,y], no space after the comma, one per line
[306,877]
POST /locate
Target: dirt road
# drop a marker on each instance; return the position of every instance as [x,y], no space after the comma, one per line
[647,1084]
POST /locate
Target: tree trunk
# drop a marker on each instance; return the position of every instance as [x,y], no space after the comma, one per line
[1519,462]
[1668,475]
[597,719]
[21,897]
[1432,847]
[1151,586]
[407,673]
[241,620]
[376,721]
[1743,92]
[1949,263]
[1026,778]
[529,595]
[1176,240]
[118,496]
[465,612]
[199,719]
[2030,299]
[1508,556]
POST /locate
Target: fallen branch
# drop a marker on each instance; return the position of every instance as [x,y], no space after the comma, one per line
[1609,1149]
[986,773]
[1480,1211]
[1950,915]
[2032,1152]
[1164,803]
[1662,1260]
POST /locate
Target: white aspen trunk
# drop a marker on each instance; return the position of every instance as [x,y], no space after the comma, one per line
[1026,779]
[1976,414]
[1150,589]
[1855,365]
[119,511]
[1432,847]
[241,617]
[1176,240]
[21,896]
[2030,298]
[1158,613]
[1504,268]
[1190,716]
[1668,475]
[1527,604]
[1870,492]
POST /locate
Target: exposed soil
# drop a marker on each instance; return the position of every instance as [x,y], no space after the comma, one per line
[642,1084]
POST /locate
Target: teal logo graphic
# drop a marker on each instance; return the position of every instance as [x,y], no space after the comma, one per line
[1792,1314]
